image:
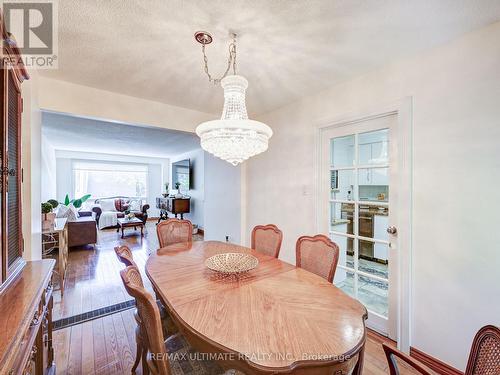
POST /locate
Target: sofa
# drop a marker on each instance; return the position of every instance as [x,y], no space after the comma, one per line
[83,231]
[119,206]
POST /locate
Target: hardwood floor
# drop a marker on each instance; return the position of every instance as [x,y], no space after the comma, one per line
[92,275]
[107,345]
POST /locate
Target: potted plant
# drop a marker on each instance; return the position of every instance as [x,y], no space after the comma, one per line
[77,203]
[166,190]
[178,187]
[128,215]
[54,203]
[48,217]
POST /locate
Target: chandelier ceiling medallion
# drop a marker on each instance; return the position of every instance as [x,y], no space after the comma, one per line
[234,137]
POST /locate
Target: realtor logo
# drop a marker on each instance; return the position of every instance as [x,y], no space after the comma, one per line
[33,26]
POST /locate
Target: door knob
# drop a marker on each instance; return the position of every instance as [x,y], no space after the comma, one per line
[392,230]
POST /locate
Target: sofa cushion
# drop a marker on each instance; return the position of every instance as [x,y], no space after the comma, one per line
[108,205]
[135,205]
[85,219]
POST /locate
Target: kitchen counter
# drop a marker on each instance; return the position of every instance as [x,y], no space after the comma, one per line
[340,221]
[365,209]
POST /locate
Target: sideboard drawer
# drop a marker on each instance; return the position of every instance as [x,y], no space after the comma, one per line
[28,342]
[27,347]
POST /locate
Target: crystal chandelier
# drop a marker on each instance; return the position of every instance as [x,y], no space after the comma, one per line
[234,137]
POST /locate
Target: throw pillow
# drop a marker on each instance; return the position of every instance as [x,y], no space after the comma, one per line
[68,212]
[107,205]
[73,213]
[62,211]
[135,205]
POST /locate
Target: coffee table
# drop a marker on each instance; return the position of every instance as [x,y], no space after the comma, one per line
[128,223]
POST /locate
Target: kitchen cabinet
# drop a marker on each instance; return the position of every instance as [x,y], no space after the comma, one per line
[364,177]
[373,153]
[378,176]
[365,153]
[373,176]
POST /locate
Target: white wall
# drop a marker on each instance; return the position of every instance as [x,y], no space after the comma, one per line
[456,112]
[222,200]
[197,191]
[31,134]
[66,97]
[48,171]
[158,173]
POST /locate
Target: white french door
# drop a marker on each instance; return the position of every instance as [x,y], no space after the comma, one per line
[358,210]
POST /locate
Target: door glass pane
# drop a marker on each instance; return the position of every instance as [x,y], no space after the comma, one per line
[346,250]
[342,151]
[373,184]
[341,217]
[342,184]
[373,147]
[373,221]
[374,294]
[373,258]
[344,280]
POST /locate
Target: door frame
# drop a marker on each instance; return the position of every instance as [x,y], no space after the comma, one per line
[403,109]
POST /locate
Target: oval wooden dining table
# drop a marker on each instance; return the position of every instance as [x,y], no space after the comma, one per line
[276,318]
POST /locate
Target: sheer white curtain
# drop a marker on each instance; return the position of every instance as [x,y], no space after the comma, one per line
[108,179]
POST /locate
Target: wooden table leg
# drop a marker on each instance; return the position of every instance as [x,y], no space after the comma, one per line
[358,369]
[122,232]
[63,257]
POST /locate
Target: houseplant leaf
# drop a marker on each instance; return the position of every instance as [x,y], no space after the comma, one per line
[85,197]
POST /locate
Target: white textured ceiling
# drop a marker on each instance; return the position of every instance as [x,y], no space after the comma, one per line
[72,133]
[286,48]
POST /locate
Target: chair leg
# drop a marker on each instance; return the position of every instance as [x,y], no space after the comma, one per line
[145,367]
[138,357]
[140,349]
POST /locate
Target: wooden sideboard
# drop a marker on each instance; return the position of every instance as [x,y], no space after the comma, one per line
[26,322]
[176,206]
[12,74]
[25,287]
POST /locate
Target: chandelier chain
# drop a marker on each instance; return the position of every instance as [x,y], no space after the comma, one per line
[231,62]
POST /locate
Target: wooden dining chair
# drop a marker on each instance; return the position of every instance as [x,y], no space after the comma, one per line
[393,355]
[484,357]
[267,239]
[125,256]
[318,255]
[173,231]
[157,358]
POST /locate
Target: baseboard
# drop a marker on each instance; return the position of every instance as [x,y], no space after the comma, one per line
[433,363]
[381,339]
